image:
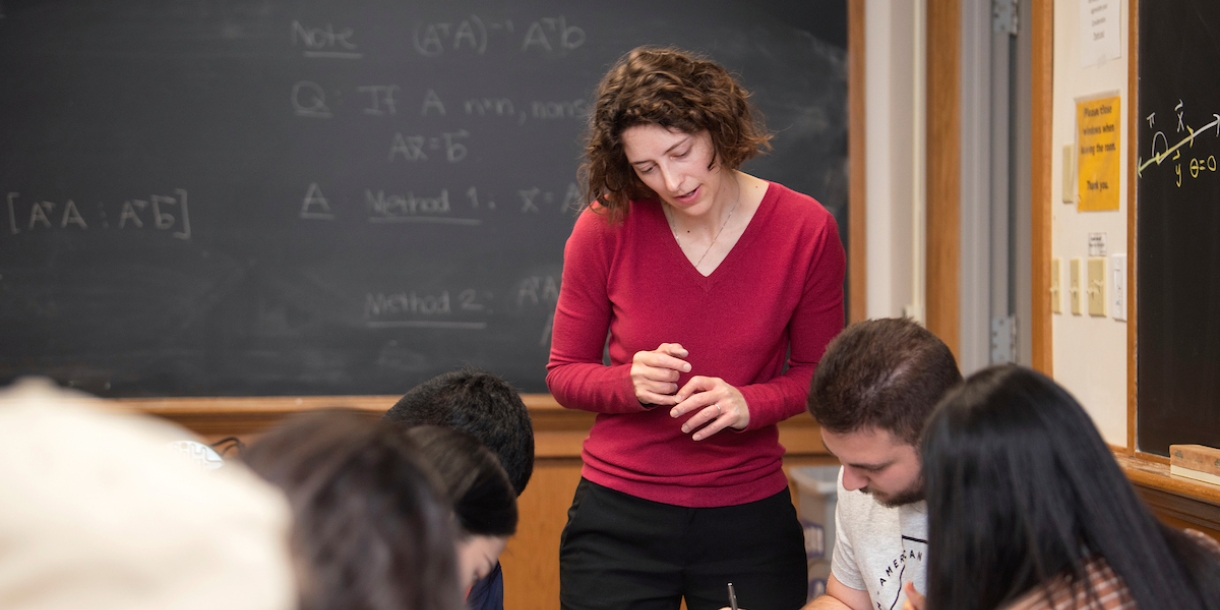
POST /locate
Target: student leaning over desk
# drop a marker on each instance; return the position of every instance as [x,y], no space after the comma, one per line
[1028,510]
[873,391]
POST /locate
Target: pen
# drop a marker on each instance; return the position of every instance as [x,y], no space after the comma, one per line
[732,597]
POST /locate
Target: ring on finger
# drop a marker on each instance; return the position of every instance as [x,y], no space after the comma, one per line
[719,411]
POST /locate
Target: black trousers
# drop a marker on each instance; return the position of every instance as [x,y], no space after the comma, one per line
[621,552]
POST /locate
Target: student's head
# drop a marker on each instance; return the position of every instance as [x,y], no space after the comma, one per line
[97,512]
[1021,488]
[480,404]
[701,107]
[372,529]
[483,500]
[871,394]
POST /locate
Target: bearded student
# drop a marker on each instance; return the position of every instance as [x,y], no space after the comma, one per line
[873,393]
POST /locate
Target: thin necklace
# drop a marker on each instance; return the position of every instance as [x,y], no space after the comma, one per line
[673,226]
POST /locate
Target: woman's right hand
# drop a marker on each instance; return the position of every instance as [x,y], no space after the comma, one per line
[915,601]
[654,374]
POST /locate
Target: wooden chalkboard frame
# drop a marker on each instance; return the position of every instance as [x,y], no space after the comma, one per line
[1132,275]
[559,432]
[1042,99]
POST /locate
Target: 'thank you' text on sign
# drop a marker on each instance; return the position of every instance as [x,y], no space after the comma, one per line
[1098,139]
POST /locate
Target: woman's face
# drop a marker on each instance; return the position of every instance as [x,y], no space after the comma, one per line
[477,556]
[674,164]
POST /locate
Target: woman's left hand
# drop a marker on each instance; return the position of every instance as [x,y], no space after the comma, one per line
[717,404]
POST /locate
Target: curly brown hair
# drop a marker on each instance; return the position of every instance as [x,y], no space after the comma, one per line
[674,89]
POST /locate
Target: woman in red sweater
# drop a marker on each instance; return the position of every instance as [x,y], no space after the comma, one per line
[719,292]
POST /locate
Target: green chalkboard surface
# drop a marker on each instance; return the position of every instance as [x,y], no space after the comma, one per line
[255,198]
[1178,225]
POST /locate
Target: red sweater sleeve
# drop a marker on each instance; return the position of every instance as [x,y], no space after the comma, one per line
[576,375]
[817,319]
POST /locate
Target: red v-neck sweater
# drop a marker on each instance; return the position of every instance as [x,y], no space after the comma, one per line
[775,300]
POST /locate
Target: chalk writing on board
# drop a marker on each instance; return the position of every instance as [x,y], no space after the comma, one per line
[573,199]
[1161,150]
[384,206]
[553,34]
[427,310]
[326,41]
[315,206]
[432,103]
[466,309]
[392,207]
[473,195]
[472,35]
[544,110]
[381,99]
[160,213]
[540,292]
[558,110]
[416,148]
[486,106]
[309,100]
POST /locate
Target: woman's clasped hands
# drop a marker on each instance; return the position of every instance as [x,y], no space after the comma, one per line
[716,404]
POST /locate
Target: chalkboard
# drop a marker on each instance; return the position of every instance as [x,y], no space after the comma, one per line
[224,198]
[1178,225]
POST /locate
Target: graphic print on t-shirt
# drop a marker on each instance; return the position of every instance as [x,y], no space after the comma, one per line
[910,561]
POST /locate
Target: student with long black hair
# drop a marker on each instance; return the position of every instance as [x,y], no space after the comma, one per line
[372,530]
[488,408]
[1027,509]
[483,499]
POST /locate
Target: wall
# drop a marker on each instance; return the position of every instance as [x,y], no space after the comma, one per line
[995,206]
[890,149]
[1090,353]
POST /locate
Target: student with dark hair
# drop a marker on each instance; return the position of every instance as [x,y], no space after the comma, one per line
[715,292]
[370,528]
[1027,509]
[488,408]
[480,404]
[484,502]
[874,389]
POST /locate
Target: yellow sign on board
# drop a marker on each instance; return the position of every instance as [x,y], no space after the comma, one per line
[1098,134]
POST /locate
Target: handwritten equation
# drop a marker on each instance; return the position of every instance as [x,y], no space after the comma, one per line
[470,35]
[469,207]
[312,100]
[461,308]
[168,214]
[1169,146]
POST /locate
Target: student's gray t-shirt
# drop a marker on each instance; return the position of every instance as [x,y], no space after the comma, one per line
[878,549]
